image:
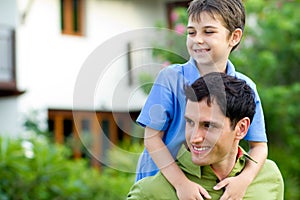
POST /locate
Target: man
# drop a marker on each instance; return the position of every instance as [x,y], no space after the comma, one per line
[218,114]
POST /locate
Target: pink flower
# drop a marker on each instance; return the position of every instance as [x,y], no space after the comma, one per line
[180,29]
[174,16]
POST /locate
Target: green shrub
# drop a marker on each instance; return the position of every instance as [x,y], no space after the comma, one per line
[37,169]
[282,115]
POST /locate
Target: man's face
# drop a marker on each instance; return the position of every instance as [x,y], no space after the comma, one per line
[208,133]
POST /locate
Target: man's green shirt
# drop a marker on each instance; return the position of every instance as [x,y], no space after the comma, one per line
[268,184]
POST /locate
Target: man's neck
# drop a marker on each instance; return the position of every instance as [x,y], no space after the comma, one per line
[223,168]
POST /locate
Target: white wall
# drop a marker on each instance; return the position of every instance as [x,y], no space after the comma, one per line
[49,62]
[10,120]
[8,12]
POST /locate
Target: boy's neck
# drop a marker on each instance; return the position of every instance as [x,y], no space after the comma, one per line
[205,69]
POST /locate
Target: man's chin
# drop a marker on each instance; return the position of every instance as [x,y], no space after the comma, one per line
[200,161]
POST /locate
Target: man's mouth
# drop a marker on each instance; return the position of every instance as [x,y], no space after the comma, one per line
[201,149]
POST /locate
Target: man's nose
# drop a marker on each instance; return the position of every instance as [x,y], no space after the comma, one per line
[198,135]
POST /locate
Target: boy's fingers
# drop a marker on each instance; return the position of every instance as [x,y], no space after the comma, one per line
[221,185]
[204,193]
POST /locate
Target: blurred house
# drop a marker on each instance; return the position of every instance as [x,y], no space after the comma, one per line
[78,62]
[9,92]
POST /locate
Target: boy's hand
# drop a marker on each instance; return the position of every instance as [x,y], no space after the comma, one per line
[189,190]
[235,188]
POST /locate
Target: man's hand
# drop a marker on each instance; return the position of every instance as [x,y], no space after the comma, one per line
[189,190]
[235,188]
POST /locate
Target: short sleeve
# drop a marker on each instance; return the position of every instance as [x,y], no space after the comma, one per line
[257,130]
[158,109]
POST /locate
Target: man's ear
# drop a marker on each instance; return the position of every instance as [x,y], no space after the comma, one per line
[236,37]
[242,127]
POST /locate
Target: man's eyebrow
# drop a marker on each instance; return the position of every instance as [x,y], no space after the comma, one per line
[186,117]
[208,122]
[215,124]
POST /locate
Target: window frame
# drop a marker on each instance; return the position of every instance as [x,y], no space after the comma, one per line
[72,17]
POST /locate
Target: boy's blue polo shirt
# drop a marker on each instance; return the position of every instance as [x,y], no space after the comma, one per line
[165,107]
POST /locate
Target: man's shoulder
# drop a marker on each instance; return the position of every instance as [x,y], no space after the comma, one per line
[268,184]
[270,171]
[153,187]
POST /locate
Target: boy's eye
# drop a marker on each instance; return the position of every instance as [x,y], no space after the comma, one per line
[208,31]
[191,32]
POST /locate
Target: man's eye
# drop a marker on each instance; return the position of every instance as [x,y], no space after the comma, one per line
[208,125]
[190,122]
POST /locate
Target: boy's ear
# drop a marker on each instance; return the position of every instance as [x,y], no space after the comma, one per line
[242,127]
[236,37]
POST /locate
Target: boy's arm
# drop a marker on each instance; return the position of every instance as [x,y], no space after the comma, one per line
[160,154]
[236,186]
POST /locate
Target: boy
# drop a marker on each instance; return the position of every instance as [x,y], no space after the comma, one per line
[214,29]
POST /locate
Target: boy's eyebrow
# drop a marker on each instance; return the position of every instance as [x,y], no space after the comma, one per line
[189,27]
[208,26]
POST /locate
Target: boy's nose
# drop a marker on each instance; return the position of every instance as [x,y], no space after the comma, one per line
[199,38]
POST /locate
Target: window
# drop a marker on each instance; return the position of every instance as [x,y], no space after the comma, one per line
[8,86]
[7,56]
[71,12]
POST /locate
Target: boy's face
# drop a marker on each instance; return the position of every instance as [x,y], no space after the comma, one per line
[208,134]
[208,41]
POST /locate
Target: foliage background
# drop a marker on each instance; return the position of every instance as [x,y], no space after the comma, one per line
[35,168]
[269,55]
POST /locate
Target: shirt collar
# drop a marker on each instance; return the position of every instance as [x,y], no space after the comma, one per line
[185,163]
[230,69]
